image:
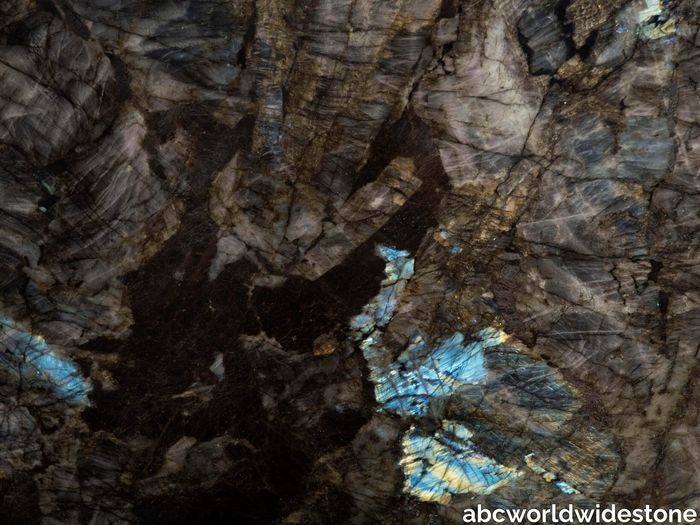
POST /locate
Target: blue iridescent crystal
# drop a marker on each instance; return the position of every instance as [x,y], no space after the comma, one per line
[416,377]
[30,359]
[447,463]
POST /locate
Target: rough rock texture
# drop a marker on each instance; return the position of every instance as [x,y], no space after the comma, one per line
[348,261]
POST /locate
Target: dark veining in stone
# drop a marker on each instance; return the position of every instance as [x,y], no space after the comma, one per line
[191,199]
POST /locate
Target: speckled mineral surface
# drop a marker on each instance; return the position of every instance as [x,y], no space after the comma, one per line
[347,261]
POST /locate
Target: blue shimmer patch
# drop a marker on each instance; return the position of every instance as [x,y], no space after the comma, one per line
[446,463]
[416,377]
[391,254]
[398,270]
[565,487]
[31,359]
[439,466]
[379,311]
[549,477]
[406,386]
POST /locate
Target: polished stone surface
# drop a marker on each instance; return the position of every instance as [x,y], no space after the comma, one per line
[347,261]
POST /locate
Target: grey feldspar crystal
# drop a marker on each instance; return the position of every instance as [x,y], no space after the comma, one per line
[286,262]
